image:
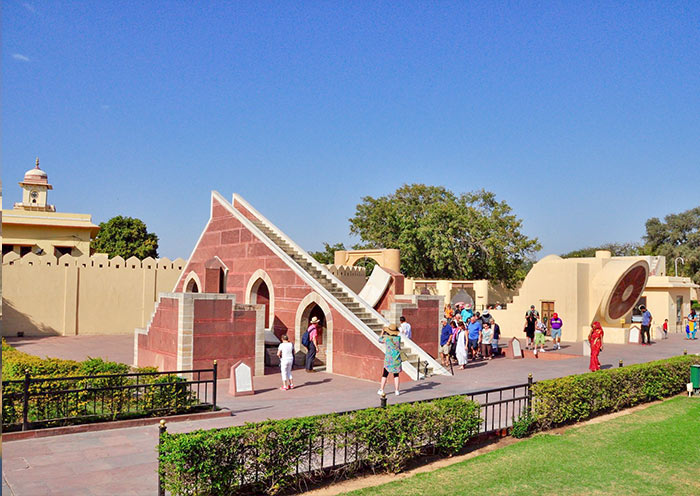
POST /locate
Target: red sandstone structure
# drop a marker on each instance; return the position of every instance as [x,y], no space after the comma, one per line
[246,278]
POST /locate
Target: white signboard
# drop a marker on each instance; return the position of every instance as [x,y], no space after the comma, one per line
[634,335]
[241,381]
[515,348]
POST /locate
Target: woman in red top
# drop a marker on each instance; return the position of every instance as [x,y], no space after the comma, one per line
[595,337]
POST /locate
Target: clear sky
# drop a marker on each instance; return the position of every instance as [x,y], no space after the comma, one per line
[583,116]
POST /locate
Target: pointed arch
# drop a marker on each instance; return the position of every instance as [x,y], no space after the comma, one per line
[301,321]
[192,283]
[253,293]
[215,275]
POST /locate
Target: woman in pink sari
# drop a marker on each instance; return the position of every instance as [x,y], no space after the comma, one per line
[595,337]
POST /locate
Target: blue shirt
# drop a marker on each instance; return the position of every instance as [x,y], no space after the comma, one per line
[646,318]
[466,315]
[445,335]
[474,329]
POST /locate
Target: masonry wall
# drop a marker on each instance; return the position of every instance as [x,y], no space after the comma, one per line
[70,296]
[159,347]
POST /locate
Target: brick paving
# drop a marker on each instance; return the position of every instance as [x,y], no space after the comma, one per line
[123,461]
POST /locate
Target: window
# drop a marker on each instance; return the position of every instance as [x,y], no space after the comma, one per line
[59,251]
[679,310]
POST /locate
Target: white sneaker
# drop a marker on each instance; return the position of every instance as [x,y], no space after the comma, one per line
[380,392]
[542,350]
[396,393]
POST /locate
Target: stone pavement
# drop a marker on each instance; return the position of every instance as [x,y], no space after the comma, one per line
[123,461]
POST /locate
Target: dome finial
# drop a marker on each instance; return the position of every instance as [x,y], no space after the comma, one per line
[37,163]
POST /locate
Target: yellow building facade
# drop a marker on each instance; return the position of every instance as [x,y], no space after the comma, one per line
[34,226]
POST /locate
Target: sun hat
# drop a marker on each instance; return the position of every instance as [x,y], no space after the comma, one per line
[392,329]
[314,320]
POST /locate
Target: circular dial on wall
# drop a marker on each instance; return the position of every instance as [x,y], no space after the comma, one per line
[34,194]
[627,292]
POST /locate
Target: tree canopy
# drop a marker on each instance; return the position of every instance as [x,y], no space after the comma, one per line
[678,235]
[125,237]
[616,249]
[442,235]
[327,256]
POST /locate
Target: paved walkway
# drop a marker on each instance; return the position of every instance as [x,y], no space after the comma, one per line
[123,461]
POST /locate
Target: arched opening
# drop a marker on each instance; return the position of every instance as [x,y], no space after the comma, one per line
[368,263]
[192,283]
[260,295]
[313,305]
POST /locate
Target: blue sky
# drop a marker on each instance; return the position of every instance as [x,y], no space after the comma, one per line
[583,116]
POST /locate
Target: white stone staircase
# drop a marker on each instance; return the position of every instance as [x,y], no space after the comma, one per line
[355,309]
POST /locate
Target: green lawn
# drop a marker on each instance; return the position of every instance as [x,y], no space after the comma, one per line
[655,451]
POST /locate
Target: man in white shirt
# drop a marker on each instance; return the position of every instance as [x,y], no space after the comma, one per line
[405,328]
[286,353]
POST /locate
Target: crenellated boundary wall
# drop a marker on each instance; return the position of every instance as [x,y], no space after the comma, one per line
[69,296]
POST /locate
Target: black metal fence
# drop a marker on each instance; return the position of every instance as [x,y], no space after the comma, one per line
[37,402]
[499,407]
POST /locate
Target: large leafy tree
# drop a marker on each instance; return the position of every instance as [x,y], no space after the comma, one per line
[616,249]
[327,256]
[443,235]
[678,235]
[125,237]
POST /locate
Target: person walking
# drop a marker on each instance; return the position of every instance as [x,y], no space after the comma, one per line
[405,328]
[540,332]
[692,327]
[392,357]
[474,335]
[647,319]
[530,320]
[445,335]
[285,351]
[595,338]
[486,339]
[556,324]
[466,313]
[461,349]
[312,331]
[453,339]
[496,336]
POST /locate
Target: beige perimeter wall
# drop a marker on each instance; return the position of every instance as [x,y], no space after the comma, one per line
[82,295]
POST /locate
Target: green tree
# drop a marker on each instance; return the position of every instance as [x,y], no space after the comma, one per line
[616,249]
[125,237]
[677,236]
[442,235]
[327,256]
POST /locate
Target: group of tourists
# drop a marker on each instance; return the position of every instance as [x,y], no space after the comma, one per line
[467,335]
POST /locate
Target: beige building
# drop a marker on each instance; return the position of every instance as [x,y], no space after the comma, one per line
[601,288]
[34,226]
[480,293]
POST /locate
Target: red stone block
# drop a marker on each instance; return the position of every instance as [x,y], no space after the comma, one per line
[230,237]
[246,236]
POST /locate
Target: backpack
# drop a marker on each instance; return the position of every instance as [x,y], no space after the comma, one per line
[305,339]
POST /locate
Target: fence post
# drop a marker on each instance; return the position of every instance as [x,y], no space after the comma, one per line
[214,392]
[161,430]
[529,393]
[418,369]
[620,363]
[25,402]
[685,352]
[382,401]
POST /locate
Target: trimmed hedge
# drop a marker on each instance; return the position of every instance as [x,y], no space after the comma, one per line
[264,457]
[86,405]
[579,397]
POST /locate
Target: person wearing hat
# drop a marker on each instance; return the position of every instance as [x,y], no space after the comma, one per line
[556,324]
[392,357]
[313,343]
[466,313]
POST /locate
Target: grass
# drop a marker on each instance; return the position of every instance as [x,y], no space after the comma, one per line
[655,451]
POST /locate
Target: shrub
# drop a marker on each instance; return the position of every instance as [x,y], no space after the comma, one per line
[523,426]
[170,396]
[265,457]
[578,397]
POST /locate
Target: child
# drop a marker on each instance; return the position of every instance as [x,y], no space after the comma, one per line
[540,330]
[286,353]
[665,328]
